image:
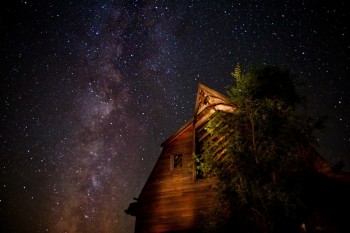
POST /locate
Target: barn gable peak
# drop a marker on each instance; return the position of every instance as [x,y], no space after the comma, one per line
[208,97]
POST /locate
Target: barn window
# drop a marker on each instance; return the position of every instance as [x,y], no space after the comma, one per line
[176,161]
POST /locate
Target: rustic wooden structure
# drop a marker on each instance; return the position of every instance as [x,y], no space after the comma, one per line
[175,196]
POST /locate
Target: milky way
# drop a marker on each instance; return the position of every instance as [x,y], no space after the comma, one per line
[90,89]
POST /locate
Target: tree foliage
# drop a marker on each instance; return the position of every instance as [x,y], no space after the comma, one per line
[257,176]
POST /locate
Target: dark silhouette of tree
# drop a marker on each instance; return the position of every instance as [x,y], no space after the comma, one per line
[258,177]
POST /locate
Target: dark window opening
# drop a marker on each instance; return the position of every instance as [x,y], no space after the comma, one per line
[199,149]
[199,173]
[177,160]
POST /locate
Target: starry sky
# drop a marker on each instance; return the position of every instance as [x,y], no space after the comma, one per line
[90,89]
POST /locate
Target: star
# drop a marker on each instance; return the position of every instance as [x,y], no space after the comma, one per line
[89,91]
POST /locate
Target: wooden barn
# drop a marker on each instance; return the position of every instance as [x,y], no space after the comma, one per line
[176,196]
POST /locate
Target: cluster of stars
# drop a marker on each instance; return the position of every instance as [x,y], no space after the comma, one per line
[90,90]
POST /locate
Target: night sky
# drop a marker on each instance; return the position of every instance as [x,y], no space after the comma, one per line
[90,89]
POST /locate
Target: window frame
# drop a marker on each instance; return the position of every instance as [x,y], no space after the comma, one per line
[176,164]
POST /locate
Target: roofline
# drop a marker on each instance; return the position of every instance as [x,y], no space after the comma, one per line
[183,127]
[208,89]
[177,132]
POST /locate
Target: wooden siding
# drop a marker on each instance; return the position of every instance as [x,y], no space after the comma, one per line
[172,201]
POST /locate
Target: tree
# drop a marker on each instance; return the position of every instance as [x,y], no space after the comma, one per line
[258,188]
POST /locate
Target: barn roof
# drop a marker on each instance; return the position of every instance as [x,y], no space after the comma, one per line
[206,97]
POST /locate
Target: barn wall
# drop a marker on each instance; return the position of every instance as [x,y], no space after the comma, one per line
[171,199]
